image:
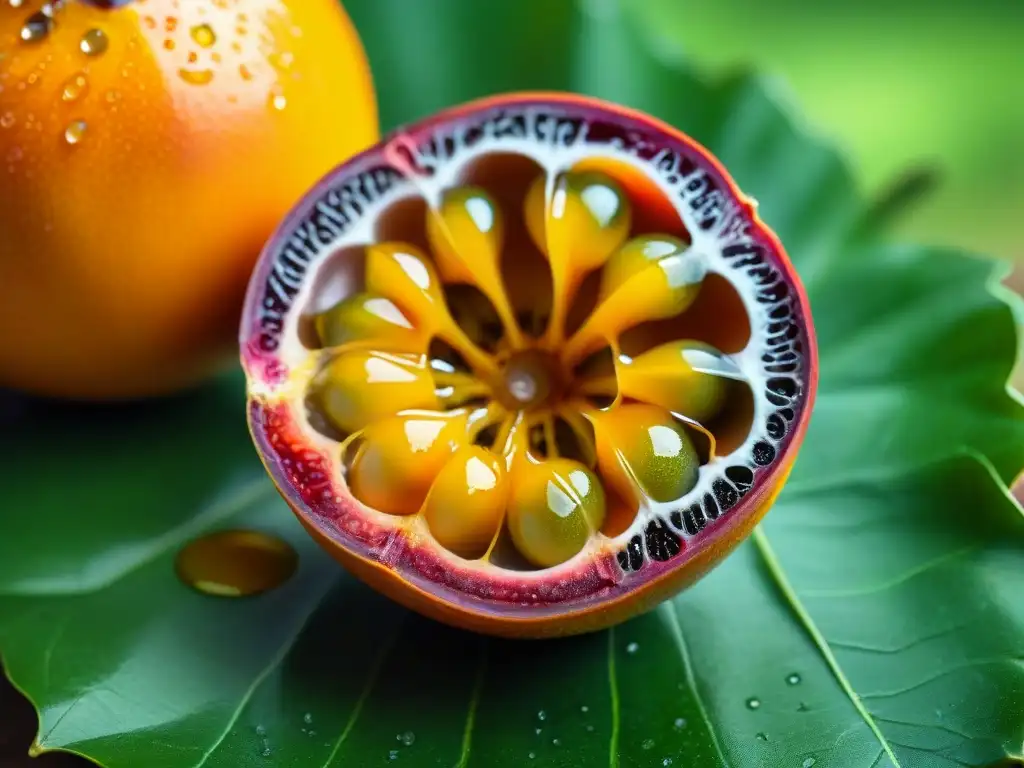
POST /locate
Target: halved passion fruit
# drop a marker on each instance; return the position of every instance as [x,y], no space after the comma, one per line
[529,366]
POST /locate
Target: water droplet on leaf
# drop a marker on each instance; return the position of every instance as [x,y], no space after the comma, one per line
[647,744]
[761,737]
[261,731]
[793,679]
[632,647]
[393,754]
[408,738]
[556,742]
[753,703]
[809,762]
[236,563]
[542,715]
[307,718]
[584,708]
[680,723]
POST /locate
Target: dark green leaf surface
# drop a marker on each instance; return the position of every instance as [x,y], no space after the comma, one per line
[875,620]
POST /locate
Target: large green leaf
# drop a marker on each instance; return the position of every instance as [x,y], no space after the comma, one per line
[876,619]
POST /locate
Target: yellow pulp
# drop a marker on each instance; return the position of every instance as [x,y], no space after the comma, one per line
[496,431]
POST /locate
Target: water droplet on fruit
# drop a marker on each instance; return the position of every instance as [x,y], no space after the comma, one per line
[647,744]
[277,98]
[632,647]
[680,723]
[15,3]
[809,762]
[307,718]
[75,132]
[753,703]
[196,76]
[793,679]
[7,120]
[542,715]
[236,563]
[75,87]
[36,27]
[204,35]
[761,737]
[94,42]
[408,738]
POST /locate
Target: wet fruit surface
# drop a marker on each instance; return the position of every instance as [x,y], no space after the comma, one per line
[147,149]
[528,367]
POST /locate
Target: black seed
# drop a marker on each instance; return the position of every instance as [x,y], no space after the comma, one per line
[677,518]
[662,542]
[725,494]
[764,453]
[781,311]
[694,520]
[742,477]
[789,333]
[784,387]
[775,426]
[635,548]
[763,274]
[710,508]
[787,414]
[777,292]
[623,559]
[783,368]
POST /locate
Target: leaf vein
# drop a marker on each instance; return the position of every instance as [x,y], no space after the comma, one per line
[474,701]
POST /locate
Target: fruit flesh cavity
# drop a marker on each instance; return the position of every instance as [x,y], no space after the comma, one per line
[588,315]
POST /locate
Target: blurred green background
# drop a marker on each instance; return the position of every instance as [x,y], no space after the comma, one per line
[899,83]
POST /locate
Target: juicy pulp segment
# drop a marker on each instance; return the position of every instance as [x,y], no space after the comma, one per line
[643,452]
[554,508]
[368,317]
[467,501]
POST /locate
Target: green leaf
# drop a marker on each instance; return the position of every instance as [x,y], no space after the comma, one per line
[874,620]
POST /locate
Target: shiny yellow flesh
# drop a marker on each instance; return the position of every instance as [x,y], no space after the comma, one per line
[586,218]
[467,501]
[554,508]
[400,456]
[368,317]
[687,377]
[643,453]
[415,455]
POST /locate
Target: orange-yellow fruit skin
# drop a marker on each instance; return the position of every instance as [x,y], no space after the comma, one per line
[124,257]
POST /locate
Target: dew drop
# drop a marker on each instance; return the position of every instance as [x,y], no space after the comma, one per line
[94,42]
[647,744]
[542,715]
[7,119]
[407,739]
[753,703]
[75,87]
[679,723]
[261,731]
[36,27]
[265,752]
[556,742]
[393,754]
[590,728]
[667,761]
[204,35]
[307,718]
[793,679]
[75,132]
[584,709]
[277,99]
[196,76]
[537,731]
[532,755]
[761,737]
[801,707]
[236,563]
[808,763]
[632,647]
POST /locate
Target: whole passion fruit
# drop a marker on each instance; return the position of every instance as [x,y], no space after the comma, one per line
[529,366]
[148,148]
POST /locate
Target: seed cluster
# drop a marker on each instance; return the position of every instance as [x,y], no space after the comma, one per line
[519,374]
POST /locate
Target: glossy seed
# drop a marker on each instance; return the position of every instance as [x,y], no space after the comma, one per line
[236,563]
[467,501]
